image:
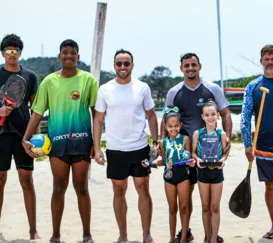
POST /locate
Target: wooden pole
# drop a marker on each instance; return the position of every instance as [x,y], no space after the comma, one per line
[98,40]
[98,46]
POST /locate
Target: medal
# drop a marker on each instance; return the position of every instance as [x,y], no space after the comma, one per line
[186,155]
[168,174]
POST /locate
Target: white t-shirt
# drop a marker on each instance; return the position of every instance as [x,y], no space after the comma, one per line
[125,120]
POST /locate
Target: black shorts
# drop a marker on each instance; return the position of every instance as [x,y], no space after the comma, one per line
[72,159]
[179,174]
[11,144]
[193,175]
[209,176]
[121,164]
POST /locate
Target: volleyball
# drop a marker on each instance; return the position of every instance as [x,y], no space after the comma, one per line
[42,144]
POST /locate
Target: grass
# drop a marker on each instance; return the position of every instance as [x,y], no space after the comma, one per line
[237,140]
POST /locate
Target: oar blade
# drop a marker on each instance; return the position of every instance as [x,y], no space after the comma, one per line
[240,200]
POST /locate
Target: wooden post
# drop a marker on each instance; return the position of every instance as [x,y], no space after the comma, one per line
[97,47]
[98,40]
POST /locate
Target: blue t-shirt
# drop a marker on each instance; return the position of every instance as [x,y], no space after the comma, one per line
[251,104]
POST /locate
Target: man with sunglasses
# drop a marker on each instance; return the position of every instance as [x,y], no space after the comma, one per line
[189,96]
[11,133]
[124,102]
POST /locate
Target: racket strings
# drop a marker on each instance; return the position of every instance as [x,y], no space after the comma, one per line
[14,90]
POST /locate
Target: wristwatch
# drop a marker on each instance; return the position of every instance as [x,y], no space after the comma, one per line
[155,142]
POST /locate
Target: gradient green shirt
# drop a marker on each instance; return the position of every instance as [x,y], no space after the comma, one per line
[69,121]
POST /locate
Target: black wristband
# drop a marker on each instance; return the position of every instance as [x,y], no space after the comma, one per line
[155,142]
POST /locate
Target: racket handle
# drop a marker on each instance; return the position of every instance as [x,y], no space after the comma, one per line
[2,120]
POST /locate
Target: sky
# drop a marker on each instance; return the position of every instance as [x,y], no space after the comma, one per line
[157,32]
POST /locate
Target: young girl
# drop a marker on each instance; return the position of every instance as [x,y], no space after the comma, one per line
[174,149]
[210,178]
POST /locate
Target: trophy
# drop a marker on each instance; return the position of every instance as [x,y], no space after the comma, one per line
[153,156]
[210,155]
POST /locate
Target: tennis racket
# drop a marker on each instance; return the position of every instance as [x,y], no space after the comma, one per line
[13,93]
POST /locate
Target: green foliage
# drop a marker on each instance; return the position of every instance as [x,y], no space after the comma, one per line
[106,76]
[237,140]
[242,83]
[43,66]
[160,81]
[150,140]
[238,82]
[103,144]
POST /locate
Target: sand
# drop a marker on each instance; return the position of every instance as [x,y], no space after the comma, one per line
[14,225]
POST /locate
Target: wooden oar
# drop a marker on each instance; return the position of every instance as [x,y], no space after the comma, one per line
[240,200]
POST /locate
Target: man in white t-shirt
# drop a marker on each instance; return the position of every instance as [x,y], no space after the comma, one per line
[125,103]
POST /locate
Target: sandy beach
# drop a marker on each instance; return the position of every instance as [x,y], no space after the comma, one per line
[14,225]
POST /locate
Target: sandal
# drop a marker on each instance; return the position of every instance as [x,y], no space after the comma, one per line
[219,239]
[190,237]
[87,239]
[268,235]
[148,239]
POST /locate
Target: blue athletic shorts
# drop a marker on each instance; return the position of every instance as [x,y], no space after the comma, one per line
[265,169]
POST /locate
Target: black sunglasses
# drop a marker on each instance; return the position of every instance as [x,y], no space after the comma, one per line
[125,64]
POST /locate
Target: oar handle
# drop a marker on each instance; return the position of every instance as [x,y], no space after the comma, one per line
[258,123]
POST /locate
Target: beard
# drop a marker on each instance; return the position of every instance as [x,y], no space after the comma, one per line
[191,78]
[191,75]
[124,76]
[268,70]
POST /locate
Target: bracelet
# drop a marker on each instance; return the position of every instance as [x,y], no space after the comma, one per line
[155,142]
[23,141]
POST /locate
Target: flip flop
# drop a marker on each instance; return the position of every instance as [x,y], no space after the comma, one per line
[120,240]
[88,239]
[148,239]
[55,240]
[219,239]
[268,235]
